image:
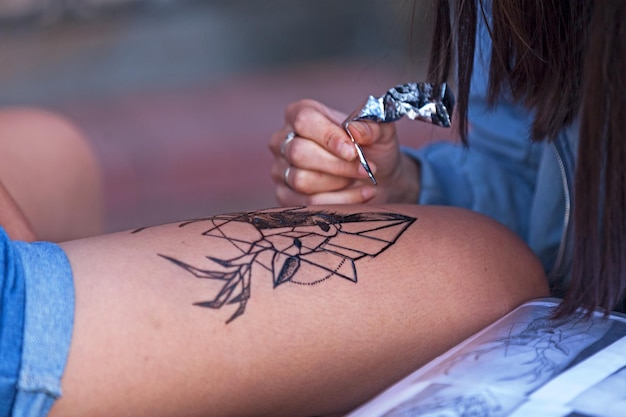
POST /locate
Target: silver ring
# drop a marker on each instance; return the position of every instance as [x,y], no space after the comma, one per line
[288,139]
[286,177]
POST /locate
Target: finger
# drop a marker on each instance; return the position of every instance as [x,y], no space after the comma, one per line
[287,197]
[307,154]
[355,195]
[368,133]
[314,121]
[278,139]
[306,181]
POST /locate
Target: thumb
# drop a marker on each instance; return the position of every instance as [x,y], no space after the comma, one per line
[370,133]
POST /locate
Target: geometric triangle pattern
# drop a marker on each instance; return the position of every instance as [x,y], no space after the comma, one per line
[296,245]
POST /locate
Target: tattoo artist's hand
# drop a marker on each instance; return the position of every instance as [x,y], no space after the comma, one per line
[315,161]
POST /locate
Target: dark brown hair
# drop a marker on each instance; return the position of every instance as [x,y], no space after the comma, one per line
[564,59]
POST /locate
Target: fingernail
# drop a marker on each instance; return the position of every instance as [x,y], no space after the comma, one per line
[359,128]
[347,151]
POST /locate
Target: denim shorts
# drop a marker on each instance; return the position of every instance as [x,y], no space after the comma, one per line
[36,319]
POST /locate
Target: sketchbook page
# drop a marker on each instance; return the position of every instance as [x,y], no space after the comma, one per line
[524,364]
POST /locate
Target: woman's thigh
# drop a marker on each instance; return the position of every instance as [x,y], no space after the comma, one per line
[49,170]
[303,311]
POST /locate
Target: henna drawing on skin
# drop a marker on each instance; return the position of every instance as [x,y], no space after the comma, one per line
[297,245]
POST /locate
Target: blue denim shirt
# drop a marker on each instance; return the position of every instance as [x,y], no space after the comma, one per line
[36,320]
[12,305]
[504,175]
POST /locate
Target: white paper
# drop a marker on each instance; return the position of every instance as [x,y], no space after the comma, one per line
[525,364]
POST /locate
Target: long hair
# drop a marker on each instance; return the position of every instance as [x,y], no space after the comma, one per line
[565,59]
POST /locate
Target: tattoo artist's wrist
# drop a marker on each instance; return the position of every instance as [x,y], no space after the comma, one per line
[405,186]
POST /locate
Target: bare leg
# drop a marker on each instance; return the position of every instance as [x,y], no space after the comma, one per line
[48,171]
[339,305]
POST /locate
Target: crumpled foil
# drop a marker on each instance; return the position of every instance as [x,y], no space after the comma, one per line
[417,101]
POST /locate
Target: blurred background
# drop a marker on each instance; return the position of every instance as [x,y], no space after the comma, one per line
[179,97]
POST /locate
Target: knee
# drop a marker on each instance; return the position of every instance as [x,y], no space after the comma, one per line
[483,265]
[42,132]
[463,269]
[50,170]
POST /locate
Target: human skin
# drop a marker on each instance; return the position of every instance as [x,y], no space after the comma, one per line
[50,183]
[13,220]
[323,163]
[142,346]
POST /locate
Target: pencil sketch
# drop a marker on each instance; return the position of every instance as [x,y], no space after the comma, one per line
[526,363]
[441,400]
[524,355]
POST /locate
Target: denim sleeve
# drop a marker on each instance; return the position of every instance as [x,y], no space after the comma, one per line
[36,320]
[48,326]
[12,305]
[496,175]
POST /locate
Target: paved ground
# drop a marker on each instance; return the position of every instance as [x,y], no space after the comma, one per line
[179,100]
